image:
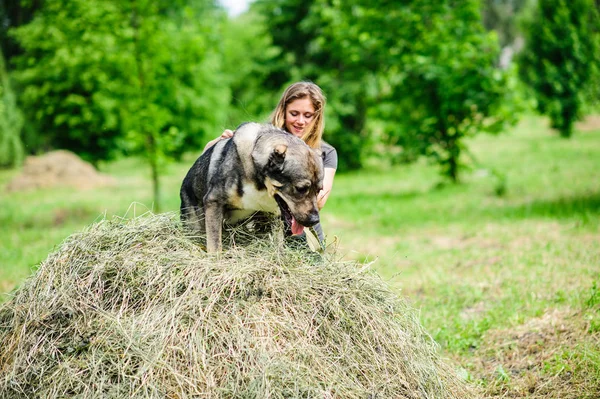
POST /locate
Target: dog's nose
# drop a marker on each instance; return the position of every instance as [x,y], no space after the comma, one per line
[312,219]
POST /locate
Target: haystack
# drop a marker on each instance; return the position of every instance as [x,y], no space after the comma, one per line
[58,168]
[134,309]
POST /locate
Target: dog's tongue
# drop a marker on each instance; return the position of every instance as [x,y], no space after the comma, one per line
[297,228]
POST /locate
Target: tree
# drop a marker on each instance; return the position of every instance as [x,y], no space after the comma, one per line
[14,13]
[174,96]
[445,86]
[249,57]
[11,122]
[104,77]
[561,58]
[501,16]
[299,28]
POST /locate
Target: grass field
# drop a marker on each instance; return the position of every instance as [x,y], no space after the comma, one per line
[504,268]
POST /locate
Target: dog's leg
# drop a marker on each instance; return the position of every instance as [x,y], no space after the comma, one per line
[213,216]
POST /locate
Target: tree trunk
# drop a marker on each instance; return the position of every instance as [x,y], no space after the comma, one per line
[453,155]
[153,160]
[152,150]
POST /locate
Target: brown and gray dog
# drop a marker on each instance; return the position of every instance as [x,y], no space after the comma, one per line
[261,168]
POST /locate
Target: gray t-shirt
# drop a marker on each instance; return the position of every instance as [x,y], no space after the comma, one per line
[329,154]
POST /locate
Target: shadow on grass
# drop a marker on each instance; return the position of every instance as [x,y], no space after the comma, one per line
[559,208]
[48,218]
[392,210]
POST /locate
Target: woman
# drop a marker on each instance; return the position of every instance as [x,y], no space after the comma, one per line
[300,111]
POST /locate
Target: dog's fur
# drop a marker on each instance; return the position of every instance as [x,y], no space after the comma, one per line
[261,168]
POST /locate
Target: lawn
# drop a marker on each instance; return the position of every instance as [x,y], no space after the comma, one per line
[504,268]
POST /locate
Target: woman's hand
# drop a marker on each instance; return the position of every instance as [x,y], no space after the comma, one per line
[327,185]
[227,134]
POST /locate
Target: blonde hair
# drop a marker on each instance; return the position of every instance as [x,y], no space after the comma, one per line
[297,91]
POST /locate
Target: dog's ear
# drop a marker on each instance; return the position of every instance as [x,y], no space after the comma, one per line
[277,157]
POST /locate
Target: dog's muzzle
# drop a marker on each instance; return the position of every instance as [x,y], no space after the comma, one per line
[297,225]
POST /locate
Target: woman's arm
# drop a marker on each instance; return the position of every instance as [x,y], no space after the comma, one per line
[327,185]
[225,135]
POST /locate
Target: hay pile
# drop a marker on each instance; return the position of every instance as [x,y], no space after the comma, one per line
[58,168]
[135,309]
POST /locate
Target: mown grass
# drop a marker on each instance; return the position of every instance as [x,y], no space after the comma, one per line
[481,266]
[504,267]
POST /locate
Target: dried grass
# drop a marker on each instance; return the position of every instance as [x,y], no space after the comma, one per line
[135,309]
[59,168]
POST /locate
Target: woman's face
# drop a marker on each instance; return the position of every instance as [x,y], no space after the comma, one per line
[299,114]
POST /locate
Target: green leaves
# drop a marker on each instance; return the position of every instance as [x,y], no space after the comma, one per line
[411,79]
[106,77]
[91,69]
[11,122]
[437,76]
[560,58]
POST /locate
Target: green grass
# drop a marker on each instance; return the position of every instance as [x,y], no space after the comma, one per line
[507,284]
[481,265]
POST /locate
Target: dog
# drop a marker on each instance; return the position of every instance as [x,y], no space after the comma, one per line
[261,168]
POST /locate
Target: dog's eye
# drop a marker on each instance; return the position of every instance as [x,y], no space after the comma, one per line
[302,189]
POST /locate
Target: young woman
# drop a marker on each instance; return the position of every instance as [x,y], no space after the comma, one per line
[300,112]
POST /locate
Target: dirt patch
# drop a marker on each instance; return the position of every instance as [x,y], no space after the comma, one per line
[429,241]
[536,232]
[475,311]
[441,242]
[62,216]
[589,123]
[539,359]
[57,169]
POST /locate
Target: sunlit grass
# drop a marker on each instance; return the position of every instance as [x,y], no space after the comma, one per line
[517,240]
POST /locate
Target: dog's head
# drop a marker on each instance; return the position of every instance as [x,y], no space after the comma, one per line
[293,175]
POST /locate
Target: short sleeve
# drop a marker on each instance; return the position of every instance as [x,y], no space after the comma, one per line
[330,158]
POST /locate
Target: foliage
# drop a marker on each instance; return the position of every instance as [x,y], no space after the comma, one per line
[11,122]
[448,90]
[403,79]
[434,69]
[93,71]
[104,77]
[248,61]
[561,58]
